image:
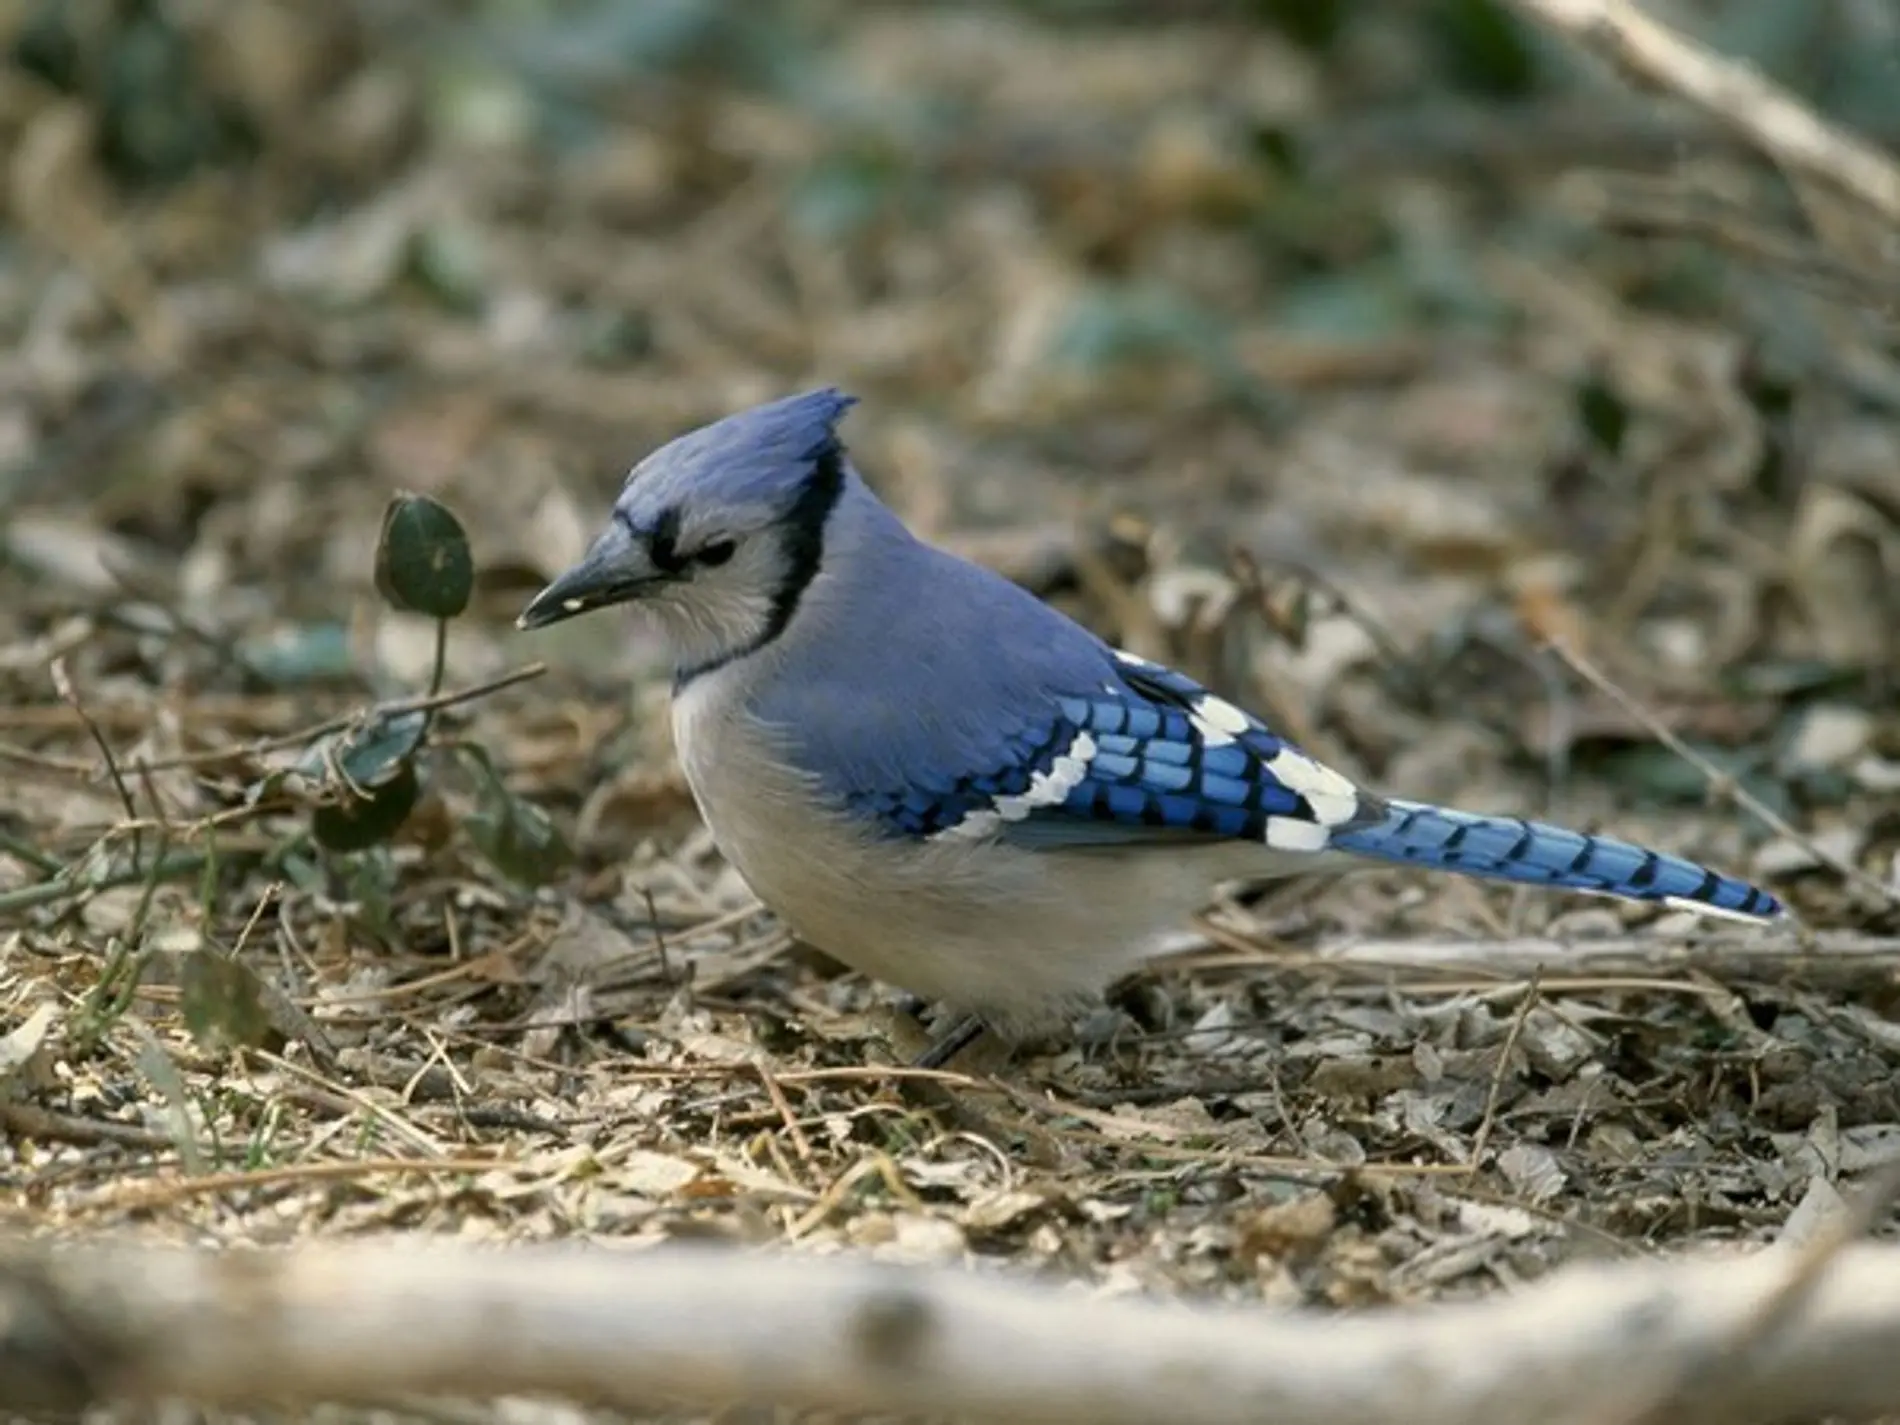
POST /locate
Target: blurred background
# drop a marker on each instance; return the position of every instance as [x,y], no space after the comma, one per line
[1345,354]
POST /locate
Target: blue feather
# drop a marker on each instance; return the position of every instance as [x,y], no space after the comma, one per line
[1509,849]
[1167,761]
[1135,760]
[952,742]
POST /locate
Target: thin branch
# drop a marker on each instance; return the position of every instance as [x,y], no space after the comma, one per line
[360,1321]
[429,703]
[1496,1091]
[1720,783]
[76,882]
[68,694]
[1758,109]
[1526,955]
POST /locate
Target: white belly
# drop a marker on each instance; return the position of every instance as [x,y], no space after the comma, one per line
[1016,936]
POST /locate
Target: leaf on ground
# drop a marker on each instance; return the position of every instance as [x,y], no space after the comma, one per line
[375,763]
[361,821]
[222,1002]
[515,835]
[375,752]
[19,1048]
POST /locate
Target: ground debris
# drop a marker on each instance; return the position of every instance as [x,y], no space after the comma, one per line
[1350,449]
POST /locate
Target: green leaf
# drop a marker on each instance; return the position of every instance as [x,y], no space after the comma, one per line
[370,771]
[369,884]
[1311,24]
[448,262]
[361,821]
[366,754]
[844,193]
[1603,413]
[1365,304]
[423,564]
[372,752]
[222,1002]
[515,835]
[1483,47]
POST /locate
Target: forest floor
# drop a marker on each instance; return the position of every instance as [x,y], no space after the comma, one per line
[1347,409]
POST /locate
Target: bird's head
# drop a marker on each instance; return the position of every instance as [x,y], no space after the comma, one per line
[717,533]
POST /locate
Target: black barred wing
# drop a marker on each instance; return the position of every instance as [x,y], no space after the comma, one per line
[1149,754]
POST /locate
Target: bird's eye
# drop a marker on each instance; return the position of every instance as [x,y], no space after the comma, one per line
[663,543]
[716,553]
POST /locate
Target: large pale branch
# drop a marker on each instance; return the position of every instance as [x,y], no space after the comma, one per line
[1751,950]
[367,1321]
[1759,110]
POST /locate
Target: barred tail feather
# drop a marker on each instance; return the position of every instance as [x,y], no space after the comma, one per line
[1508,849]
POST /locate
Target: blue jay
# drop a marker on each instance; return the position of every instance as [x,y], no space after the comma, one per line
[945,783]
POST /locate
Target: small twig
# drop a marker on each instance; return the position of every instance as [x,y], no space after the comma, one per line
[483,964]
[25,1120]
[1758,109]
[68,885]
[873,1164]
[283,741]
[264,902]
[1521,955]
[145,1196]
[1644,207]
[1496,1091]
[1721,784]
[150,784]
[377,1112]
[800,1143]
[63,685]
[45,762]
[29,854]
[429,702]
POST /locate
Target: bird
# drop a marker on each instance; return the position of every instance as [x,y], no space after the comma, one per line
[940,780]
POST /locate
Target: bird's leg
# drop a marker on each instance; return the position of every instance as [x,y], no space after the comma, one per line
[962,1033]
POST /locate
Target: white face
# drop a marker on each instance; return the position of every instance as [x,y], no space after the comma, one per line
[717,555]
[714,609]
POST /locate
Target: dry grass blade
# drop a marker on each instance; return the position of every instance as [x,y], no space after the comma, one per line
[144,1197]
[63,684]
[1482,1139]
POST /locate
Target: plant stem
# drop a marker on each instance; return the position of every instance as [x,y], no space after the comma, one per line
[63,887]
[441,667]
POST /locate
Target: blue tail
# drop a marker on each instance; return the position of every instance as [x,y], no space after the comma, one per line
[1507,849]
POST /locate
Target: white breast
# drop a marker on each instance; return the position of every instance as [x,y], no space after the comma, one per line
[1017,936]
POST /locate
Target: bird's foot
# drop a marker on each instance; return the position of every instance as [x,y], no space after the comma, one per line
[962,1033]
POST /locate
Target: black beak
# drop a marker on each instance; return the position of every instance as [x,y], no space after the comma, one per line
[612,573]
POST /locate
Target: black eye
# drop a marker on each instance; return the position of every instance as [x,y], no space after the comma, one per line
[663,543]
[716,553]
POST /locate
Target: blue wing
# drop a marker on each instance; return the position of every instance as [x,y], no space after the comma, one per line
[1153,756]
[1145,755]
